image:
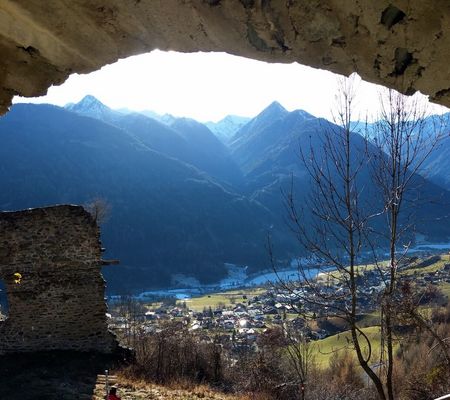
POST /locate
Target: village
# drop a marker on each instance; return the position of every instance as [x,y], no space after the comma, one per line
[243,315]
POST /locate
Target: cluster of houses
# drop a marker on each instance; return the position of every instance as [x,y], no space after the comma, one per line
[242,323]
[433,277]
[239,324]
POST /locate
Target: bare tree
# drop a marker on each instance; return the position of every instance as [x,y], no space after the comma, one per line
[300,357]
[402,141]
[336,232]
[408,306]
[131,315]
[99,208]
[358,181]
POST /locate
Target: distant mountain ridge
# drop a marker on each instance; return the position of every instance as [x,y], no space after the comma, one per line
[165,118]
[270,133]
[436,167]
[227,127]
[270,115]
[92,107]
[89,106]
[268,149]
[182,138]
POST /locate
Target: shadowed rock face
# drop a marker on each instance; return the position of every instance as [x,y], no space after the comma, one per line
[50,263]
[405,45]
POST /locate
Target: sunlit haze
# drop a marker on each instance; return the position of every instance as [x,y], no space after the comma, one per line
[208,86]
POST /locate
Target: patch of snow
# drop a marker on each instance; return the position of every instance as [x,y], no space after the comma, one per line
[435,246]
[286,275]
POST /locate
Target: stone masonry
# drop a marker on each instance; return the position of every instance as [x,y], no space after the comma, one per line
[57,302]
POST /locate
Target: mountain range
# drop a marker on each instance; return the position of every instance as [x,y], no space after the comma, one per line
[185,198]
[226,128]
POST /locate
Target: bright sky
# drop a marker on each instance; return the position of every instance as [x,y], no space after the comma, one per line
[207,86]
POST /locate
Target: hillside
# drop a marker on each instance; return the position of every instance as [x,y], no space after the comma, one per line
[435,134]
[180,138]
[269,150]
[166,215]
[80,376]
[210,155]
[437,168]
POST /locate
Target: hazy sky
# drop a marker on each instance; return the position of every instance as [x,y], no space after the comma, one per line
[206,86]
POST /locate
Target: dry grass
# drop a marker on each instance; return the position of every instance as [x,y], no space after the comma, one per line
[77,376]
[139,390]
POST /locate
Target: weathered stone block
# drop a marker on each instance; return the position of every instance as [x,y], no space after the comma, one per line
[58,301]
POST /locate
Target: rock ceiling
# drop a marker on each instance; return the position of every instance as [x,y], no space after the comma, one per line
[401,44]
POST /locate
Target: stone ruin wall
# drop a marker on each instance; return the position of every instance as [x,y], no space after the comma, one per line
[59,302]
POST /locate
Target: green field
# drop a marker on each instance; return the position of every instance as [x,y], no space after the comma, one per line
[443,259]
[445,288]
[361,268]
[369,319]
[325,348]
[226,299]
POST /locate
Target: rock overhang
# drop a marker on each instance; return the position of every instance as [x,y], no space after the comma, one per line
[400,44]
